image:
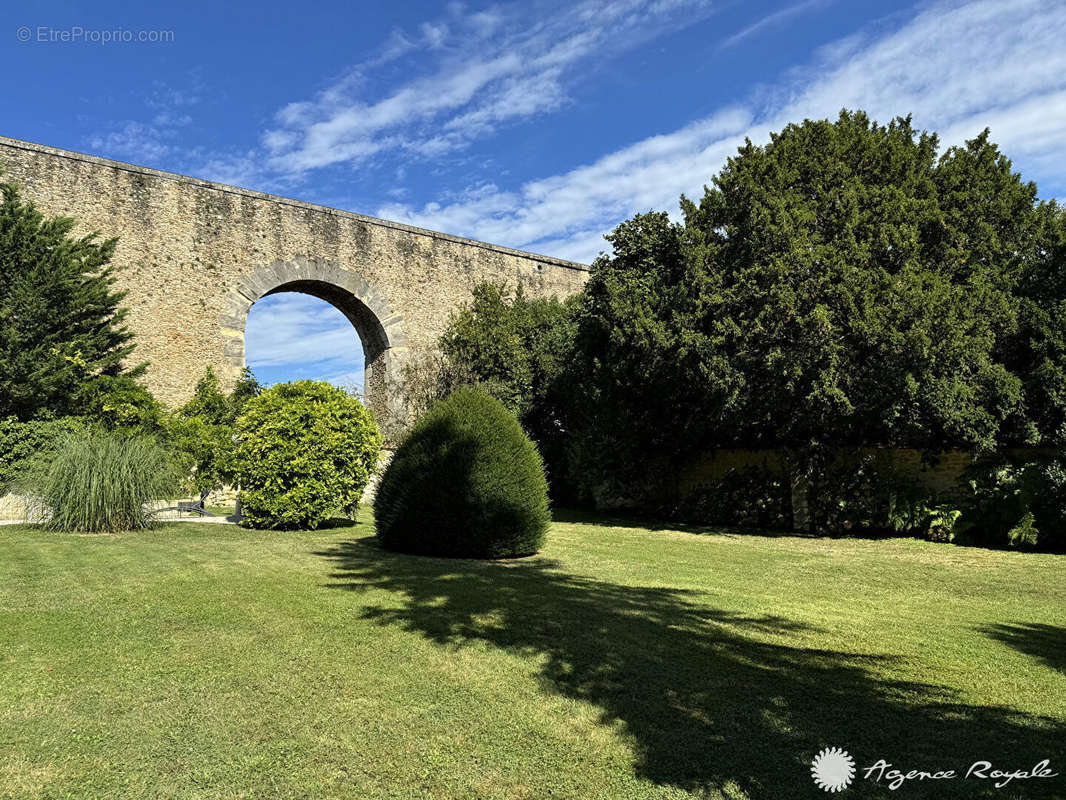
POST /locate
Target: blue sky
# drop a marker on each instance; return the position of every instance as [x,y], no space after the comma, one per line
[537,125]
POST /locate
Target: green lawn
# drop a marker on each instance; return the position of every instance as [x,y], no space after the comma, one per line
[211,662]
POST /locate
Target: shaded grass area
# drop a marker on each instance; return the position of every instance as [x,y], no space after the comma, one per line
[210,661]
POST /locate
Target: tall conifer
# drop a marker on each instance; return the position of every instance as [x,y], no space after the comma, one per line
[61,323]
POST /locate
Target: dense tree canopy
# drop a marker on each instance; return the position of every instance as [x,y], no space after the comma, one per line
[842,284]
[511,345]
[639,389]
[61,324]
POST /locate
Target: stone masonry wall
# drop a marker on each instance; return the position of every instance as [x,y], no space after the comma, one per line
[939,474]
[194,256]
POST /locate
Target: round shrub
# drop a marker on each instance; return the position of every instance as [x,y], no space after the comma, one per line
[96,481]
[302,451]
[466,482]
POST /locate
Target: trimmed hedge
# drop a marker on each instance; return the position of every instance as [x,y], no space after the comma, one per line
[466,482]
[303,451]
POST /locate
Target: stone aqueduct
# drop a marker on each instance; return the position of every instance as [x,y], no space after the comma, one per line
[195,255]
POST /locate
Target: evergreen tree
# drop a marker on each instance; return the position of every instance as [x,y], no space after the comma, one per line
[841,285]
[202,430]
[61,325]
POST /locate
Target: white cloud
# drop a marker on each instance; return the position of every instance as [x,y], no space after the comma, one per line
[775,19]
[556,212]
[134,141]
[151,142]
[307,335]
[957,68]
[241,170]
[352,380]
[492,67]
[170,119]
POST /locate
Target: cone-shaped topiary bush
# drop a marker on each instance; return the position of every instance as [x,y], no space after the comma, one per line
[466,482]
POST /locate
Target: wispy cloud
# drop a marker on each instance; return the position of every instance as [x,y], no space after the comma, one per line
[957,68]
[568,213]
[136,141]
[488,69]
[775,19]
[152,141]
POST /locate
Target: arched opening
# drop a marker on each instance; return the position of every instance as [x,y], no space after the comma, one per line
[296,336]
[372,338]
[378,330]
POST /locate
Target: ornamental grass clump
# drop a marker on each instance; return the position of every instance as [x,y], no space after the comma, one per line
[101,481]
[466,482]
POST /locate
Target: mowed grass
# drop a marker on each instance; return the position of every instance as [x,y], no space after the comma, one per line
[206,661]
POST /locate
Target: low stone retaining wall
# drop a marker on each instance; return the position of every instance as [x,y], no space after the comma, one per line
[14,508]
[939,474]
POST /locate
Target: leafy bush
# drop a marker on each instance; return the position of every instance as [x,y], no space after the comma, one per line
[22,442]
[99,481]
[513,346]
[202,430]
[517,348]
[120,402]
[303,451]
[1016,506]
[748,497]
[852,497]
[466,482]
[941,523]
[855,496]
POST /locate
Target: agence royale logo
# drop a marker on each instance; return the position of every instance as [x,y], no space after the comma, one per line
[833,770]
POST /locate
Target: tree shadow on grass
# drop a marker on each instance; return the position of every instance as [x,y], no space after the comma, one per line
[714,701]
[1046,643]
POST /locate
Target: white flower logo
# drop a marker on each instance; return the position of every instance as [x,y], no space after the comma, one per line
[833,769]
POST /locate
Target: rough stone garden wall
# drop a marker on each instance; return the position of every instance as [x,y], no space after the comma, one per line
[195,255]
[939,473]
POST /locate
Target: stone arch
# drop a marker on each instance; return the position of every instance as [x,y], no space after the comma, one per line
[379,329]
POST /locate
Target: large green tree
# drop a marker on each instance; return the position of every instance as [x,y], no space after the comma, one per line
[642,383]
[61,320]
[513,345]
[841,285]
